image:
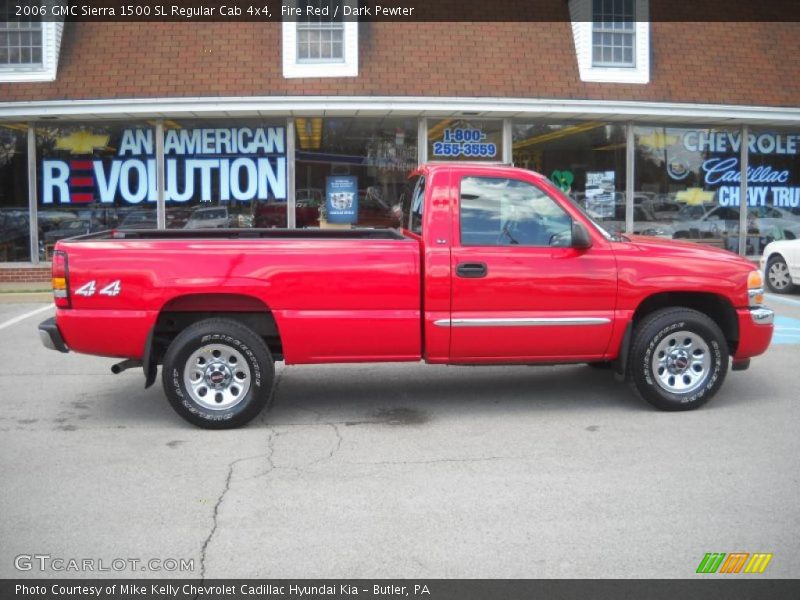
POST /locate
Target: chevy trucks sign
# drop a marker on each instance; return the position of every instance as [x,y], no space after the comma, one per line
[222,164]
[708,161]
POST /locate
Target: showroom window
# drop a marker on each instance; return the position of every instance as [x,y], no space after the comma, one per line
[93,177]
[687,186]
[773,184]
[14,213]
[225,174]
[585,160]
[465,139]
[354,171]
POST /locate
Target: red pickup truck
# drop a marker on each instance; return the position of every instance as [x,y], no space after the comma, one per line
[496,266]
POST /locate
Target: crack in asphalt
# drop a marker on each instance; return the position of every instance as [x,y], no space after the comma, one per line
[215,514]
[334,449]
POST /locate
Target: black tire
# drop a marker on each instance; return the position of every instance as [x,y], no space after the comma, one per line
[245,355]
[659,335]
[776,262]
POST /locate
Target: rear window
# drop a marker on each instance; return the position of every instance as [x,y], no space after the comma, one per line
[417,206]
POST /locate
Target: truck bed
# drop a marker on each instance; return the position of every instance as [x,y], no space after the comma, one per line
[335,295]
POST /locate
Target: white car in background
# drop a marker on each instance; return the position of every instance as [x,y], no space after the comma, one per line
[781,265]
[210,217]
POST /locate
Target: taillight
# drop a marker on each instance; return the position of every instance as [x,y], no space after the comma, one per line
[60,273]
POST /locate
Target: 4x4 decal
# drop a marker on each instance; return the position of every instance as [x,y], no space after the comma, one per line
[89,289]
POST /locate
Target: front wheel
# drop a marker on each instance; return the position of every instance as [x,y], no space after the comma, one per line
[679,359]
[778,278]
[218,374]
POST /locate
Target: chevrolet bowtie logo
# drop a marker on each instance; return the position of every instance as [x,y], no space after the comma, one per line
[658,140]
[694,196]
[82,142]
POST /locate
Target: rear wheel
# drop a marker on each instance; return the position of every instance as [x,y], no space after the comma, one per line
[679,359]
[778,278]
[218,374]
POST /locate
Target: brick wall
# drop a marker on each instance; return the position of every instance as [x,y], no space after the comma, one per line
[24,274]
[717,63]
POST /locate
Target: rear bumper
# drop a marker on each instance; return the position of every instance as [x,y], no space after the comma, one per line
[51,336]
[755,331]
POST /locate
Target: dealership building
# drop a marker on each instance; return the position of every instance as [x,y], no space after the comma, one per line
[647,124]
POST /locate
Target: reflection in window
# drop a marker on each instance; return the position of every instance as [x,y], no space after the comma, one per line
[225,174]
[94,177]
[503,212]
[14,215]
[585,160]
[354,171]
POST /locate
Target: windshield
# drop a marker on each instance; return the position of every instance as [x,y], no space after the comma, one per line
[582,210]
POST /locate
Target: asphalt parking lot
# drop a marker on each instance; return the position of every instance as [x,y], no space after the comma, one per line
[397,471]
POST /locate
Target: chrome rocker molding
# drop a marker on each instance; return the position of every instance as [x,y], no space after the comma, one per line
[522,322]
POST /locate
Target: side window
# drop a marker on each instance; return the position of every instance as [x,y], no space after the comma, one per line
[503,212]
[416,207]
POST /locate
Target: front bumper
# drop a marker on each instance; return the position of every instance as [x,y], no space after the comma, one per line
[51,336]
[756,326]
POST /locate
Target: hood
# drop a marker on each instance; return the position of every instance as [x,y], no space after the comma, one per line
[686,248]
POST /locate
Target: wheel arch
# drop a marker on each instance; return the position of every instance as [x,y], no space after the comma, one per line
[184,310]
[718,308]
[776,253]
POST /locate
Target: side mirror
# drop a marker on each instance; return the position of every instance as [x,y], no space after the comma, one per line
[580,237]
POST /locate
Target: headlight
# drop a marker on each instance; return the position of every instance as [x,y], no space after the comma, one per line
[755,288]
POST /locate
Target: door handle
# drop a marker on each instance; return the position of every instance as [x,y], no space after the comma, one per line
[472,270]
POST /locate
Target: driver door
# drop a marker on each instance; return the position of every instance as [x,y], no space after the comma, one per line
[520,291]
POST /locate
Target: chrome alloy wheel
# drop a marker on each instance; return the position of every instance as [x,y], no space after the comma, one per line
[778,275]
[681,362]
[217,376]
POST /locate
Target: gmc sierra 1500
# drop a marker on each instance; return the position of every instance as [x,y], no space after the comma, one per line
[496,266]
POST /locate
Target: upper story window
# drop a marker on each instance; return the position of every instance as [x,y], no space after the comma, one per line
[612,40]
[21,44]
[29,48]
[318,42]
[613,33]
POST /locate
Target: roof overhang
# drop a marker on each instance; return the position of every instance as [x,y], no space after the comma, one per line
[304,106]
